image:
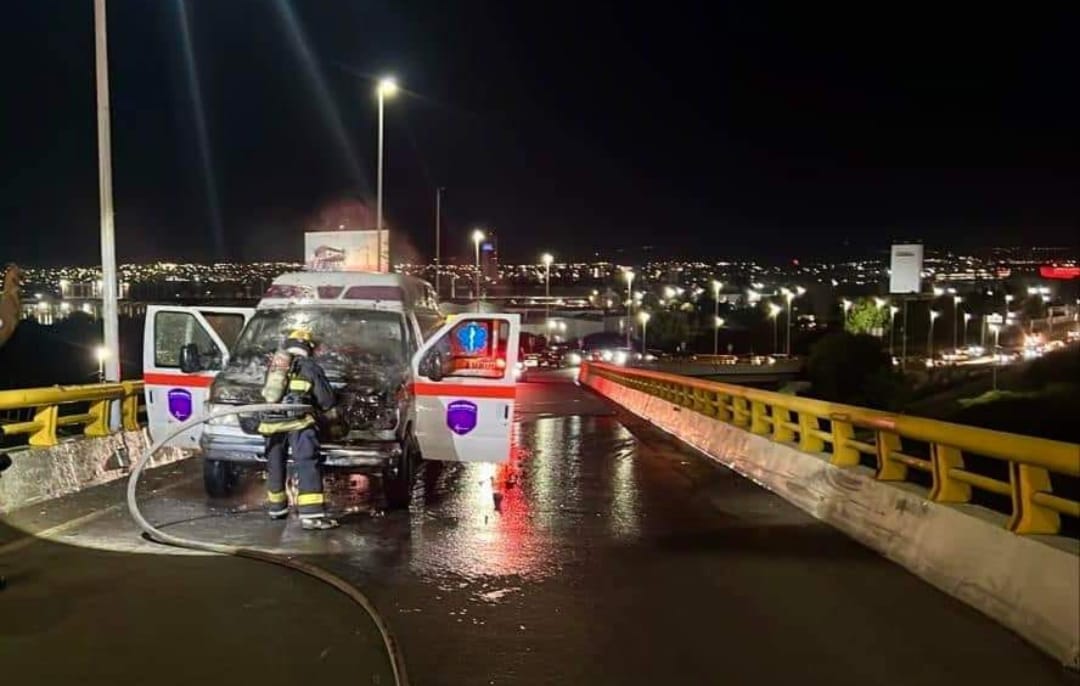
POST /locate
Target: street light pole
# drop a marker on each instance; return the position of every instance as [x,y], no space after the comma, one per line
[438,237]
[644,317]
[956,321]
[477,237]
[110,317]
[893,309]
[387,87]
[774,313]
[547,259]
[629,276]
[716,286]
[934,314]
[996,329]
[967,321]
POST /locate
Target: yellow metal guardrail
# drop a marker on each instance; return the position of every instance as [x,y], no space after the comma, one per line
[45,403]
[843,433]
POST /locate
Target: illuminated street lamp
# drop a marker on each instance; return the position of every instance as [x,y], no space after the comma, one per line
[938,291]
[956,320]
[386,88]
[789,295]
[996,330]
[643,317]
[477,237]
[101,353]
[774,312]
[716,286]
[629,276]
[934,314]
[893,309]
[546,259]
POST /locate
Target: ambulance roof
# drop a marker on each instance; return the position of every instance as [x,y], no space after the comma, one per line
[368,290]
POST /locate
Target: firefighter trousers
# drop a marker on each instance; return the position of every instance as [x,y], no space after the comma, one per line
[303,445]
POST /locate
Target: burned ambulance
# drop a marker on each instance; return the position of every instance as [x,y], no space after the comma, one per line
[386,350]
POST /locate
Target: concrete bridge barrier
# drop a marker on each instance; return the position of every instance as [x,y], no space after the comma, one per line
[807,452]
[69,442]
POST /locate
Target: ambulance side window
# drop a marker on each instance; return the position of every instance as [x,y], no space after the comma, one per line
[476,348]
[175,329]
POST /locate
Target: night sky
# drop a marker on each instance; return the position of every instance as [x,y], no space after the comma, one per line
[751,128]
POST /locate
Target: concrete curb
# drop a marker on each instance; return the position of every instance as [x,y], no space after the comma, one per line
[1029,586]
[40,474]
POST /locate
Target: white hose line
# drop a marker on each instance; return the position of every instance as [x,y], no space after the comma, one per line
[397,659]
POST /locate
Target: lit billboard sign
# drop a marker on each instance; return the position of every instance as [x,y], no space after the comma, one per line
[349,251]
[905,268]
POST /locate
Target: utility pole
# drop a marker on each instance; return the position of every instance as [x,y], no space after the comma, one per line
[438,236]
[111,363]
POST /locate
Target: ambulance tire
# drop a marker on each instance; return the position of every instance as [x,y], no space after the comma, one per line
[219,478]
[398,488]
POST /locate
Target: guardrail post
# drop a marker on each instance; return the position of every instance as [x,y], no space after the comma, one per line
[889,469]
[809,441]
[129,407]
[781,433]
[741,411]
[46,418]
[99,425]
[946,489]
[843,455]
[758,422]
[1027,516]
[720,404]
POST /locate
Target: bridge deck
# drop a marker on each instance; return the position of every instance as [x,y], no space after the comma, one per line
[606,553]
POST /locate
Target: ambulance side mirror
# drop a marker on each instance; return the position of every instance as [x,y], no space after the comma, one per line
[189,359]
[431,365]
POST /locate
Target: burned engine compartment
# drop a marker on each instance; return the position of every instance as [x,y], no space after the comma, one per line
[362,353]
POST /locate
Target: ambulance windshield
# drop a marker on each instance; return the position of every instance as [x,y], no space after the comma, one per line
[344,337]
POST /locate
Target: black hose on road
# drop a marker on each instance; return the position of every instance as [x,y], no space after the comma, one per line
[397,659]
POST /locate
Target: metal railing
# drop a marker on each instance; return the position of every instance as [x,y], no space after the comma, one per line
[843,433]
[36,412]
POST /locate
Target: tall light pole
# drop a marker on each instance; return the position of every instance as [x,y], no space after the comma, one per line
[546,259]
[956,321]
[387,88]
[967,320]
[893,309]
[774,313]
[643,317]
[629,276]
[477,237]
[934,314]
[110,364]
[995,329]
[716,287]
[438,236]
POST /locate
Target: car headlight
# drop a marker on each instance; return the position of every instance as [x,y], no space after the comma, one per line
[607,356]
[621,357]
[227,420]
[573,359]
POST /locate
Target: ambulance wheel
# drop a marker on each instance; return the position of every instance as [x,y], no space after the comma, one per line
[398,487]
[219,478]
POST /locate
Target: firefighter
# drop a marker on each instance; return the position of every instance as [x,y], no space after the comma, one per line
[304,383]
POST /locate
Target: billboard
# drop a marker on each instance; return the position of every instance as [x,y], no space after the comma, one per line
[350,251]
[905,268]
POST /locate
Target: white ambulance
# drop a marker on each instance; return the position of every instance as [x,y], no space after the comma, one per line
[410,385]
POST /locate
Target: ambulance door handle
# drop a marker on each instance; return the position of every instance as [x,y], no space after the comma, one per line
[506,412]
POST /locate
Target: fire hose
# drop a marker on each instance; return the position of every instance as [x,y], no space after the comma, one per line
[397,660]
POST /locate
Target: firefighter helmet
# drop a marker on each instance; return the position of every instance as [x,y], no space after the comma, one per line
[300,342]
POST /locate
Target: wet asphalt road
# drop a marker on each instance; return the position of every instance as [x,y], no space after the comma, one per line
[604,553]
